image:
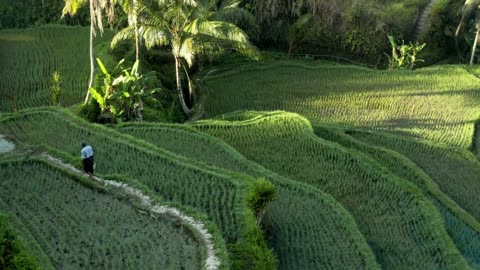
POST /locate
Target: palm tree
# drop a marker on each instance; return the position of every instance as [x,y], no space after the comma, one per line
[130,8]
[468,8]
[96,14]
[190,28]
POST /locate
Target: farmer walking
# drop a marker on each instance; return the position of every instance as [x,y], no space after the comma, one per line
[87,159]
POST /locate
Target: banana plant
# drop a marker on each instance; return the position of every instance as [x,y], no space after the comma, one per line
[123,91]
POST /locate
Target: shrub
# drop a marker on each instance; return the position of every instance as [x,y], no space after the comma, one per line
[261,195]
[12,254]
[403,56]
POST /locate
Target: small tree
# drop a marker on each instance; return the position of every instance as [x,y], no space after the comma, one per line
[403,56]
[262,194]
[56,88]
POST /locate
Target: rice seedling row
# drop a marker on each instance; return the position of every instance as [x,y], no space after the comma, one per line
[462,228]
[79,227]
[219,196]
[456,171]
[393,215]
[307,228]
[29,57]
[438,103]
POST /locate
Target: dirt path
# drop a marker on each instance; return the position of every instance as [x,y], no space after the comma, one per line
[212,262]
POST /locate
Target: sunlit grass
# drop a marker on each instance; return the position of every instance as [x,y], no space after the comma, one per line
[393,214]
[438,103]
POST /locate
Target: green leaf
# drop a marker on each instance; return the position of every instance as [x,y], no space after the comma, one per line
[98,97]
[102,67]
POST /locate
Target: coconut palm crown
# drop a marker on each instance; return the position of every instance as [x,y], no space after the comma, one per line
[189,28]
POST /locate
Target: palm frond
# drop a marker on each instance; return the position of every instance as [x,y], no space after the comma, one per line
[206,44]
[154,36]
[217,29]
[71,6]
[234,15]
[229,4]
[188,51]
[126,33]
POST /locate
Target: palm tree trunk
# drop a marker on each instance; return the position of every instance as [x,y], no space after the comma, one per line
[185,108]
[137,39]
[92,64]
[137,44]
[459,26]
[474,47]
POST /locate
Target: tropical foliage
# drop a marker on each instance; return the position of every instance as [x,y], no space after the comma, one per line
[97,8]
[369,169]
[123,91]
[403,56]
[471,6]
[56,88]
[189,28]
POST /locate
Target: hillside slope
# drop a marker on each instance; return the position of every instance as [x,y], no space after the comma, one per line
[386,149]
[80,225]
[437,103]
[393,214]
[307,228]
[218,193]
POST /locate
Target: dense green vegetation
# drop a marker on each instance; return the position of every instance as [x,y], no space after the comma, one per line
[13,252]
[298,222]
[78,227]
[461,226]
[361,168]
[437,103]
[286,144]
[23,14]
[218,193]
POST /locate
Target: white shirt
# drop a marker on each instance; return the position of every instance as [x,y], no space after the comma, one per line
[87,152]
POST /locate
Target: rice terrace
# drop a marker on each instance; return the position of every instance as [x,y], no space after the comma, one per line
[239,134]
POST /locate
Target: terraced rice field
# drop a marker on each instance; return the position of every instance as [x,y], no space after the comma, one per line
[29,57]
[392,214]
[218,194]
[462,227]
[349,197]
[455,171]
[438,103]
[77,226]
[308,228]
